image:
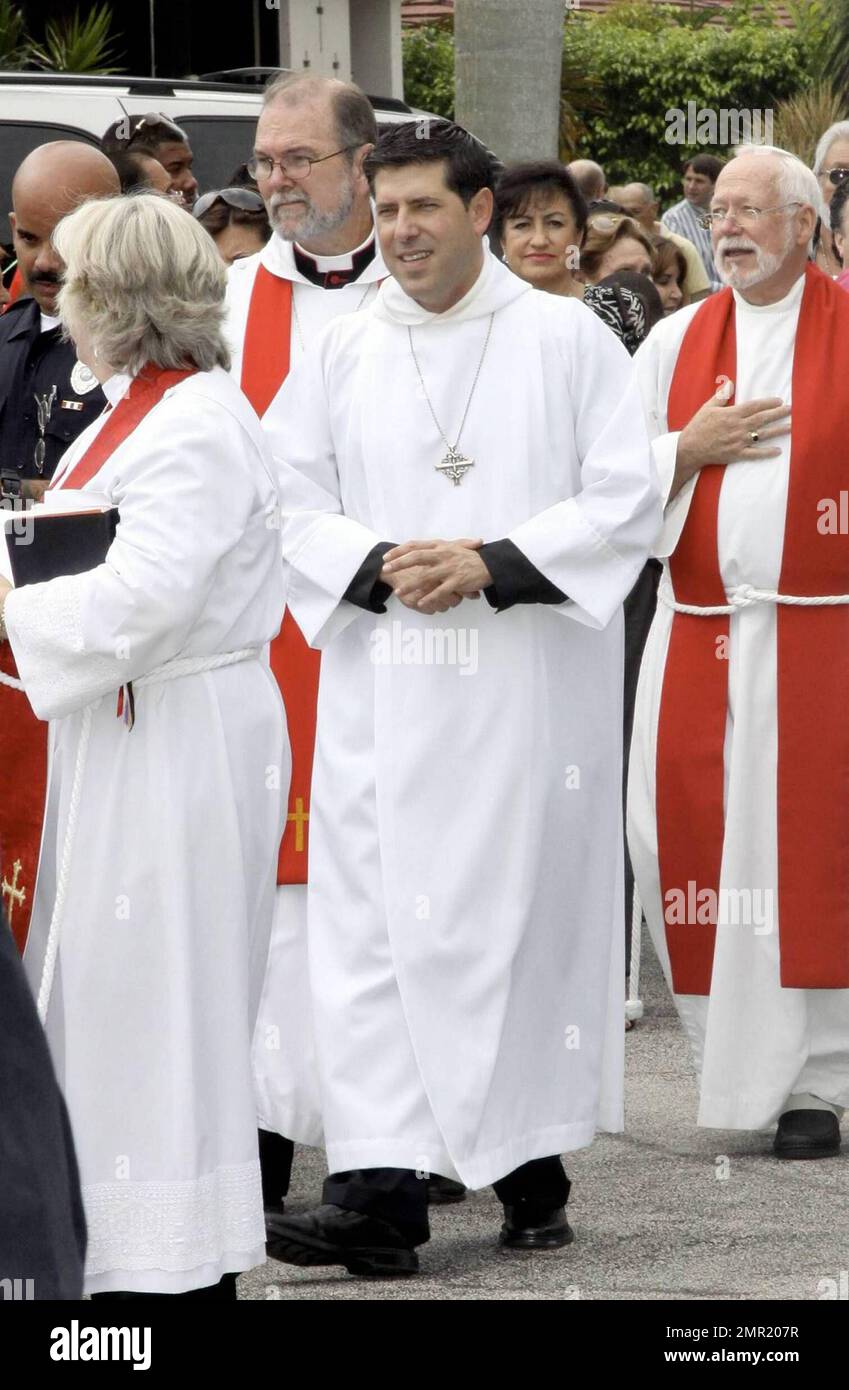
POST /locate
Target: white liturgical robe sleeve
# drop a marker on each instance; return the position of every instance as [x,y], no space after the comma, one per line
[323,548]
[588,544]
[80,637]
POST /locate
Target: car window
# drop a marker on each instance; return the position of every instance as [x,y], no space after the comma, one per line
[17,140]
[219,145]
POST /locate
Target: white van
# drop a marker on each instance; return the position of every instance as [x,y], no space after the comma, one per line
[219,118]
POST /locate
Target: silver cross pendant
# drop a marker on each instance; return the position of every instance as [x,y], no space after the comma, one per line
[454,466]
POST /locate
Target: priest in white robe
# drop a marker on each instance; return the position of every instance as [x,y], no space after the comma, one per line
[322,261]
[466,880]
[155,887]
[739,749]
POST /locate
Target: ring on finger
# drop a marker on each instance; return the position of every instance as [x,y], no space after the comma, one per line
[754,436]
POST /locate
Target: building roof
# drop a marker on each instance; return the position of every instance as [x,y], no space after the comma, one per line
[416,12]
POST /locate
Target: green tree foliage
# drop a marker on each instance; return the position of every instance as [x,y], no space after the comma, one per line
[79,45]
[15,44]
[649,64]
[429,69]
[622,72]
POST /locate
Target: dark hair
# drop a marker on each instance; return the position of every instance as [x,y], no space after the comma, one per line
[241,178]
[519,184]
[599,240]
[469,166]
[217,218]
[668,257]
[604,205]
[838,202]
[352,110]
[143,133]
[129,166]
[706,164]
[642,287]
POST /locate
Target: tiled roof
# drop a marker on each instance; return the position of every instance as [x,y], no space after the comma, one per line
[429,11]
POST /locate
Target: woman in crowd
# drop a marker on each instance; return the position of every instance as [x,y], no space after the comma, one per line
[614,242]
[155,889]
[236,220]
[540,216]
[669,271]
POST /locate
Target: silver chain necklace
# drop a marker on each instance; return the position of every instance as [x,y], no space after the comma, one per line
[454,465]
[297,318]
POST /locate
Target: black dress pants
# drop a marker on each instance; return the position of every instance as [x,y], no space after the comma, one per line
[222,1292]
[275,1165]
[639,607]
[399,1197]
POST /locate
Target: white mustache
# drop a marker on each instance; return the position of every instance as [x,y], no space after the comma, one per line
[281,199]
[734,243]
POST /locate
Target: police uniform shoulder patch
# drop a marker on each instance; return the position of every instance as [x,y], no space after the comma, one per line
[82,379]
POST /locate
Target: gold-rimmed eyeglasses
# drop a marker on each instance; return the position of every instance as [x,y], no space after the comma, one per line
[744,217]
[295,166]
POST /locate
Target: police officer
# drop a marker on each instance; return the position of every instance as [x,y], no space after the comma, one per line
[47,397]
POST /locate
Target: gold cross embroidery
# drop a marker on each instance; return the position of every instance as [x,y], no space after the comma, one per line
[12,891]
[300,817]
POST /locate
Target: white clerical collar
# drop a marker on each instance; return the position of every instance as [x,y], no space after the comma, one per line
[343,262]
[48,322]
[780,306]
[495,287]
[278,257]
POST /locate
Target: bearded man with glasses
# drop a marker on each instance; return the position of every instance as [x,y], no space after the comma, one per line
[738,797]
[322,261]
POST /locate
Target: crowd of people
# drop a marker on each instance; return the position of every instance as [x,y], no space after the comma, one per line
[282,875]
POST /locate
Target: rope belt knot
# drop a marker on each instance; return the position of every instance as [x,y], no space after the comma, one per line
[745,596]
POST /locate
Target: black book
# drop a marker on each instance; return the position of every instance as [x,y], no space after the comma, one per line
[44,543]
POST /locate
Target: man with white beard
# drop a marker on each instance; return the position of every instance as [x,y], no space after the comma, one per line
[321,261]
[737,788]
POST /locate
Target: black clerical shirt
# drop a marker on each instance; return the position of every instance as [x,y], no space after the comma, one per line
[35,364]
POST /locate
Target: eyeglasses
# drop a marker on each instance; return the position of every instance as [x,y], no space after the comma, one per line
[154,119]
[244,198]
[297,166]
[744,217]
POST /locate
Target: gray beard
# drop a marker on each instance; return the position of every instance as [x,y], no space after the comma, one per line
[314,223]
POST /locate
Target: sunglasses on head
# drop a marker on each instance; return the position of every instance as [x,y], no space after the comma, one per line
[154,119]
[244,198]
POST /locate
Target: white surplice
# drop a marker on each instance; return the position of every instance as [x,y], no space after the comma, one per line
[754,1043]
[465,898]
[169,899]
[288,1099]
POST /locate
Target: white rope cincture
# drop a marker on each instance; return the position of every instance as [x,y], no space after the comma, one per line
[745,596]
[11,681]
[170,670]
[634,1004]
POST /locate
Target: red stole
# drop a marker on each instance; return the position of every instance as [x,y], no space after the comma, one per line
[812,669]
[265,366]
[23,738]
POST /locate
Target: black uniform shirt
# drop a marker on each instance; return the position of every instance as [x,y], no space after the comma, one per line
[34,363]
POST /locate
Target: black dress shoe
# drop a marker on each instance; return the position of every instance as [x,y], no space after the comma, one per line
[273,1209]
[333,1235]
[807,1134]
[441,1190]
[532,1226]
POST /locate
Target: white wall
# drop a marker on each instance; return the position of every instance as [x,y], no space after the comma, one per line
[357,40]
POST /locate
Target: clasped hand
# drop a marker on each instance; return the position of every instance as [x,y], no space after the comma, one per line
[433,576]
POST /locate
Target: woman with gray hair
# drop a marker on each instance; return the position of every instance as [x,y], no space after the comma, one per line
[155,888]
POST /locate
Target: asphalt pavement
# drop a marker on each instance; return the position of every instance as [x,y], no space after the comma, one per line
[663,1211]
